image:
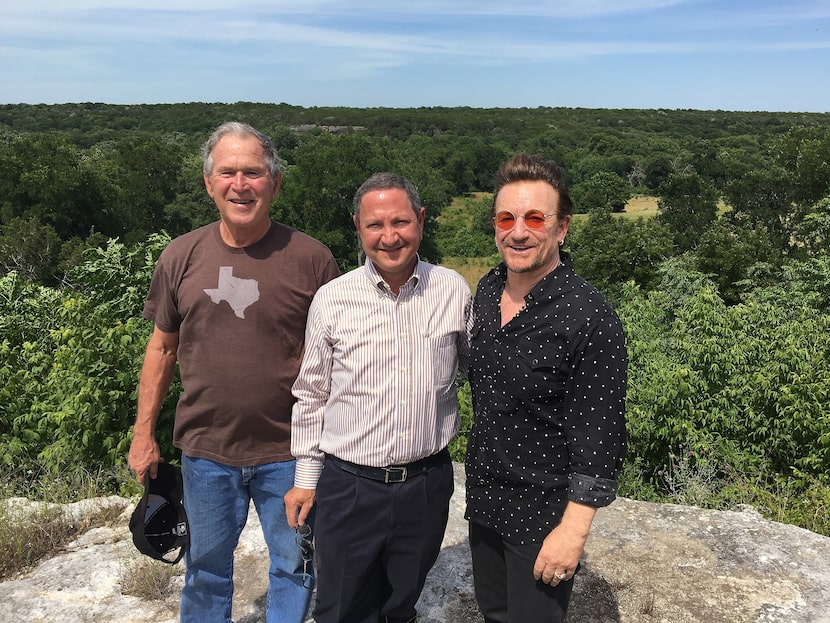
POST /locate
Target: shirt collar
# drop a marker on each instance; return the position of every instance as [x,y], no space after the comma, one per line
[562,271]
[374,276]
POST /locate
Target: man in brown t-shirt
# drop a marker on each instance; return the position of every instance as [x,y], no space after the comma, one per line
[229,304]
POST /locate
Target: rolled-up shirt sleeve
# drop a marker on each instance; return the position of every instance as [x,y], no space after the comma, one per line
[595,411]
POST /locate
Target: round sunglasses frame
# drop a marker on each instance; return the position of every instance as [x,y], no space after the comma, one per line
[534,219]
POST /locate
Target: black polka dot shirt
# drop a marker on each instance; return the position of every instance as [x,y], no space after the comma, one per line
[548,393]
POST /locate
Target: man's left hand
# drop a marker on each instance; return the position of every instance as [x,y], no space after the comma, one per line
[562,548]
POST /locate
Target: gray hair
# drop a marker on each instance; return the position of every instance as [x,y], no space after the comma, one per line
[385,181]
[243,130]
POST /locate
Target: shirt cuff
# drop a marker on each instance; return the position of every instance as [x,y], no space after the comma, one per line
[307,473]
[590,491]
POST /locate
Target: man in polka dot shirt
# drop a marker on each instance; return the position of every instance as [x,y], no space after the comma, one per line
[548,378]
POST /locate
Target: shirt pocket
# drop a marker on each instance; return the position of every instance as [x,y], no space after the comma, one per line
[444,360]
[546,371]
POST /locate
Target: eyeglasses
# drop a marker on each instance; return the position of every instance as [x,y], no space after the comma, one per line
[306,551]
[306,544]
[534,219]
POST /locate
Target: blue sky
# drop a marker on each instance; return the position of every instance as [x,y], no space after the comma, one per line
[701,54]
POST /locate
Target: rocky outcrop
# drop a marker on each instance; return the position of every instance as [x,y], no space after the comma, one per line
[658,563]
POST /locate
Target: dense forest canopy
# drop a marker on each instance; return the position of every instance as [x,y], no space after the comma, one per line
[95,120]
[80,170]
[724,293]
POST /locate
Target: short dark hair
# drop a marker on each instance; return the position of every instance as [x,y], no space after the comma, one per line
[236,128]
[385,181]
[524,167]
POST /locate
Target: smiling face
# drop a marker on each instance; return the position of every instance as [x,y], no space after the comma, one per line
[242,188]
[390,232]
[531,253]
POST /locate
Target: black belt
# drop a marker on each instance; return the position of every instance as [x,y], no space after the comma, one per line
[393,473]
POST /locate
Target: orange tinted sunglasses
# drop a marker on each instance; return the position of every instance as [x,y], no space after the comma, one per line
[534,219]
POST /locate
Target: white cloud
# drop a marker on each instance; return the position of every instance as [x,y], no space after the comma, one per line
[50,44]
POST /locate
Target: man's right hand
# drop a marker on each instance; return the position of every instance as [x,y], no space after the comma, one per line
[144,457]
[298,504]
[153,385]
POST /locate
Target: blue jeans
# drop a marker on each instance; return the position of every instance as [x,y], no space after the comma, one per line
[216,498]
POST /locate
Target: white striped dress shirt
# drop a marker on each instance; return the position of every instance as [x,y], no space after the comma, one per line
[377,382]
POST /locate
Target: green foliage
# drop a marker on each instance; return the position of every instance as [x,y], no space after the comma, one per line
[728,250]
[747,382]
[148,172]
[458,446]
[805,153]
[728,341]
[814,229]
[799,499]
[318,191]
[48,179]
[471,233]
[764,197]
[688,204]
[793,285]
[69,362]
[30,249]
[609,252]
[192,207]
[601,192]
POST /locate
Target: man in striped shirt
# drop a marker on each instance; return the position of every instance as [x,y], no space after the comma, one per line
[376,407]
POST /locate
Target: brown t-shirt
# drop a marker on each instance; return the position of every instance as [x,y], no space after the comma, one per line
[240,315]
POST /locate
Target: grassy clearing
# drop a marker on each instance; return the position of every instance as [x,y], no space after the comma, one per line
[471,268]
[457,210]
[639,207]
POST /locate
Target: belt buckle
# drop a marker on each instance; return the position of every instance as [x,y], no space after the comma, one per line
[394,474]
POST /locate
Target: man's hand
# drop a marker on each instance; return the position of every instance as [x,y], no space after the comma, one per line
[144,457]
[298,504]
[153,384]
[562,548]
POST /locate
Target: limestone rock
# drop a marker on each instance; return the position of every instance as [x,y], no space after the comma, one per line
[656,563]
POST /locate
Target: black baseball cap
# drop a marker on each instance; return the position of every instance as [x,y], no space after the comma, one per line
[159,523]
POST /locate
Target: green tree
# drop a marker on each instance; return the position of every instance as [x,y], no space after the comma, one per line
[470,232]
[48,179]
[814,230]
[805,153]
[192,206]
[688,205]
[30,249]
[746,383]
[602,191]
[609,251]
[764,198]
[727,252]
[317,191]
[148,174]
[69,362]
